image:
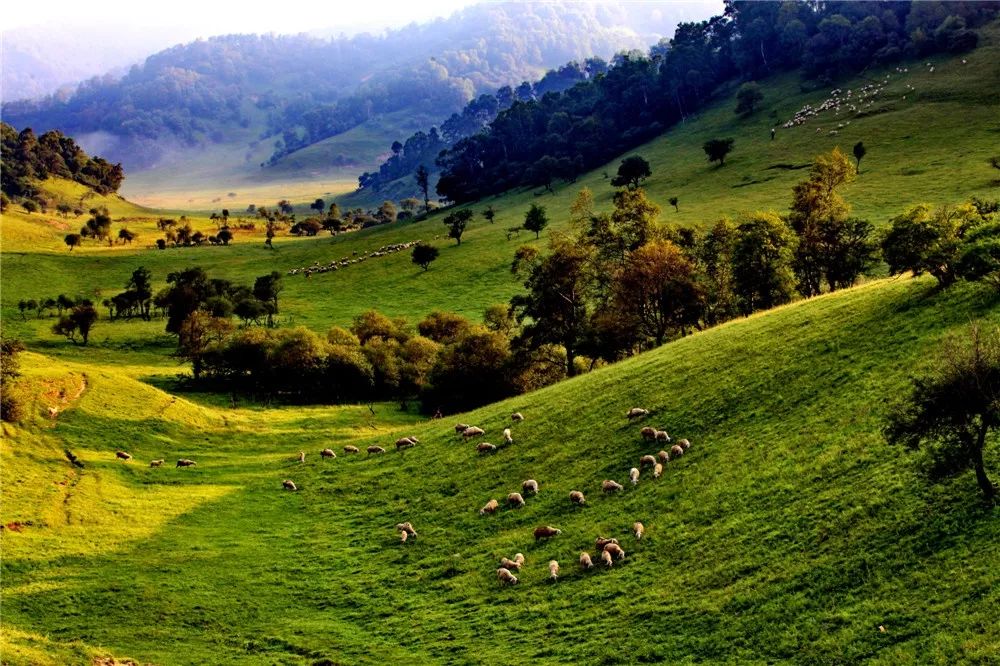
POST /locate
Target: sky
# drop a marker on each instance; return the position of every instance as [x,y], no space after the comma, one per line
[201,18]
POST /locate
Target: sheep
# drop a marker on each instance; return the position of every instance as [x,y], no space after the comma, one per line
[519,558]
[408,528]
[685,444]
[122,455]
[507,439]
[327,453]
[637,413]
[510,564]
[606,558]
[662,436]
[486,447]
[184,462]
[546,532]
[576,497]
[302,456]
[530,486]
[516,416]
[633,476]
[676,450]
[403,536]
[638,530]
[156,463]
[585,560]
[664,457]
[610,486]
[377,450]
[404,443]
[351,449]
[506,577]
[601,543]
[553,570]
[461,428]
[473,431]
[647,461]
[489,507]
[515,500]
[648,433]
[657,471]
[615,550]
[288,484]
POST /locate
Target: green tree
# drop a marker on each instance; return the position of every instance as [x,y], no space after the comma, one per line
[535,219]
[29,206]
[953,411]
[673,201]
[631,172]
[457,222]
[266,289]
[762,262]
[715,258]
[318,205]
[386,212]
[748,97]
[859,152]
[925,240]
[424,183]
[80,320]
[717,149]
[489,214]
[423,254]
[73,240]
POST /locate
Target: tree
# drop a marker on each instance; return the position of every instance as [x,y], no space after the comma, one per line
[224,235]
[266,289]
[535,219]
[126,236]
[319,206]
[80,321]
[285,206]
[715,259]
[489,214]
[762,262]
[409,204]
[953,411]
[456,223]
[73,240]
[424,183]
[747,98]
[717,149]
[631,172]
[859,152]
[29,206]
[423,254]
[924,240]
[386,213]
[673,201]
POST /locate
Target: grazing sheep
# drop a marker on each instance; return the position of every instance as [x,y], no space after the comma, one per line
[510,564]
[553,570]
[184,462]
[302,456]
[615,550]
[288,484]
[657,471]
[606,558]
[648,434]
[461,428]
[408,528]
[327,453]
[375,449]
[404,443]
[519,558]
[633,476]
[676,450]
[507,439]
[403,536]
[490,507]
[685,444]
[351,449]
[516,416]
[662,436]
[610,486]
[546,532]
[515,500]
[530,486]
[486,447]
[637,413]
[122,455]
[585,560]
[473,431]
[647,461]
[638,530]
[156,463]
[506,577]
[576,497]
[601,543]
[664,457]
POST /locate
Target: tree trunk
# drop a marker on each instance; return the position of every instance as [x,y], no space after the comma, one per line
[989,490]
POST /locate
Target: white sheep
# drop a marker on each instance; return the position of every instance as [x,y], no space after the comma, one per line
[601,542]
[122,455]
[664,457]
[585,560]
[606,558]
[633,476]
[156,463]
[375,449]
[684,444]
[302,456]
[647,461]
[351,449]
[610,486]
[510,564]
[184,462]
[636,413]
[473,431]
[408,528]
[576,497]
[327,453]
[676,450]
[288,484]
[519,558]
[638,530]
[486,447]
[507,438]
[657,471]
[662,436]
[489,507]
[530,486]
[461,428]
[506,577]
[516,416]
[648,434]
[615,550]
[553,570]
[405,443]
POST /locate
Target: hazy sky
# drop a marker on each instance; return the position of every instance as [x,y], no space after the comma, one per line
[204,18]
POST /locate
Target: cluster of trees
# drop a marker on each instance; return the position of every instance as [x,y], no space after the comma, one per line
[564,134]
[28,158]
[49,306]
[13,402]
[180,233]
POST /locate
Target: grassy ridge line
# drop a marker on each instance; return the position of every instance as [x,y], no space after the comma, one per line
[789,532]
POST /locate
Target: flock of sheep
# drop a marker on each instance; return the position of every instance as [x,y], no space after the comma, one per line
[344,262]
[125,456]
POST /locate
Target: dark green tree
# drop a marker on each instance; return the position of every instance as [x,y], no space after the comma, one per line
[457,222]
[423,254]
[631,172]
[748,98]
[536,219]
[859,152]
[762,262]
[717,149]
[73,240]
[489,214]
[424,183]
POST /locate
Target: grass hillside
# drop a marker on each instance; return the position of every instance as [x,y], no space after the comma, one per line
[789,532]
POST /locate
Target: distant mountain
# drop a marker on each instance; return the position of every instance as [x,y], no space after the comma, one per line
[293,91]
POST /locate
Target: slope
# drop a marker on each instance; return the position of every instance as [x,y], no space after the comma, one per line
[789,532]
